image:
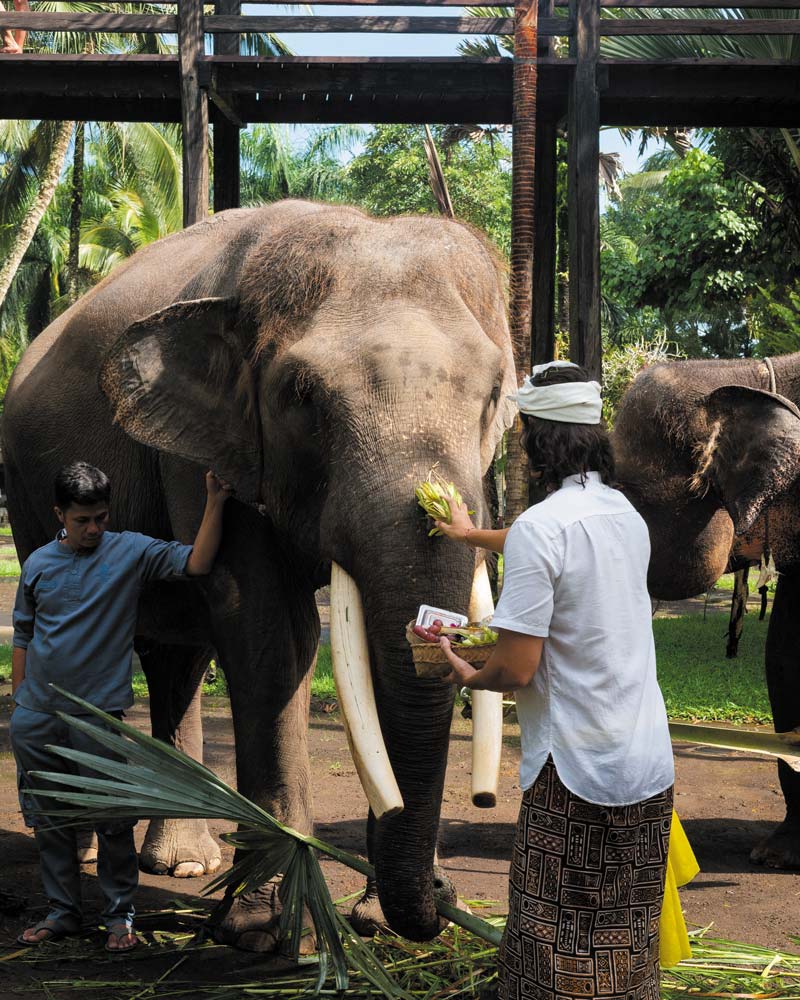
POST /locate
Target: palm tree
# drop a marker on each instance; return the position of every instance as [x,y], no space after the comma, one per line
[45,159]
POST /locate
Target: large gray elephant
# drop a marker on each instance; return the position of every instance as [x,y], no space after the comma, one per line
[321,361]
[709,452]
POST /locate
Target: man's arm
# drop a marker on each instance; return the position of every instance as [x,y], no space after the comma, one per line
[209,535]
[461,529]
[18,657]
[511,666]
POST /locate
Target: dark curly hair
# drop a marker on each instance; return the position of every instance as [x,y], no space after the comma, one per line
[557,450]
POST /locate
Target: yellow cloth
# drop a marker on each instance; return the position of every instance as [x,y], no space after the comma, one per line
[682,867]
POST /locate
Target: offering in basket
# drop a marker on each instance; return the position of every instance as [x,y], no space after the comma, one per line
[473,642]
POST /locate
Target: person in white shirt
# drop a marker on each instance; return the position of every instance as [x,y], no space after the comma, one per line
[576,645]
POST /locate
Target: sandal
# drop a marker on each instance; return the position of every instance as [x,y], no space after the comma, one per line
[117,932]
[55,931]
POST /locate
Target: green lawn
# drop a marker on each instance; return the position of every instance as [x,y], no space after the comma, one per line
[322,685]
[698,682]
[9,566]
[5,529]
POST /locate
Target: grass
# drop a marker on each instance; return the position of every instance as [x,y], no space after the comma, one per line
[322,685]
[9,566]
[726,583]
[5,529]
[699,683]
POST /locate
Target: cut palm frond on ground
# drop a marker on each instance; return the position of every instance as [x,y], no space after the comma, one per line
[150,778]
[786,746]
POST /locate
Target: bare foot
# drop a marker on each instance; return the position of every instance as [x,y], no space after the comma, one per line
[11,48]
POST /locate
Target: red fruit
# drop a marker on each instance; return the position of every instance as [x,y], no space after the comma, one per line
[436,626]
[423,633]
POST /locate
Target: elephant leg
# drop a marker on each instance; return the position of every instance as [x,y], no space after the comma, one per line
[781,849]
[367,916]
[179,847]
[268,655]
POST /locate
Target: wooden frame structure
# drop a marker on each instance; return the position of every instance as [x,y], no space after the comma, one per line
[581,88]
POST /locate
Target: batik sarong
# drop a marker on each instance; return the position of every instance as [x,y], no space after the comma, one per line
[585,894]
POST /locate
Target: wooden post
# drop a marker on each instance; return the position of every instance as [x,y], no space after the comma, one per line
[226,133]
[544,240]
[194,112]
[584,204]
[522,232]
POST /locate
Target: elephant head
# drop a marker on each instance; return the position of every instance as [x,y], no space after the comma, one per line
[347,357]
[704,454]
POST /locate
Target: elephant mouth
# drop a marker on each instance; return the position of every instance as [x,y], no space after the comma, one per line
[353,677]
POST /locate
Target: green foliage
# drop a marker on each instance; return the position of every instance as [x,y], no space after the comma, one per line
[621,365]
[698,682]
[691,253]
[390,177]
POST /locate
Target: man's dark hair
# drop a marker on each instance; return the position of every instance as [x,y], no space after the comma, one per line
[81,483]
[557,449]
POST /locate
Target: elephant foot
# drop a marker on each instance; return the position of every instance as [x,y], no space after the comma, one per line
[366,917]
[250,922]
[781,849]
[181,848]
[86,844]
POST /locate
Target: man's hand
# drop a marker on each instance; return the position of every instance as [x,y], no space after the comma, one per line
[461,671]
[217,489]
[460,522]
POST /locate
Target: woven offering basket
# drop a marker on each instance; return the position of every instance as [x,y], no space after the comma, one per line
[429,658]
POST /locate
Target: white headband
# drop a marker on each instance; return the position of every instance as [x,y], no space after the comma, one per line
[567,402]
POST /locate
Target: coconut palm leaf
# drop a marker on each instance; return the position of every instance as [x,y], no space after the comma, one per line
[145,777]
[785,746]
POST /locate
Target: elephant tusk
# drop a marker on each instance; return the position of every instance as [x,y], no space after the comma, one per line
[353,678]
[487,709]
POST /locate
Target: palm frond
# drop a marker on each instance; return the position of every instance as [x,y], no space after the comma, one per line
[144,777]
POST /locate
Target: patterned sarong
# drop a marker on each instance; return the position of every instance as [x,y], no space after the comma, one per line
[585,897]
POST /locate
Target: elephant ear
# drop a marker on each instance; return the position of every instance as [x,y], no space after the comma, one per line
[179,382]
[753,454]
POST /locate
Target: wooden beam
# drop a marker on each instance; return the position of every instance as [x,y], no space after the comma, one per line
[403,25]
[227,192]
[698,26]
[544,240]
[583,194]
[194,113]
[89,21]
[661,4]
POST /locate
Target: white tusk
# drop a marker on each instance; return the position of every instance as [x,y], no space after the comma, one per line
[487,709]
[353,678]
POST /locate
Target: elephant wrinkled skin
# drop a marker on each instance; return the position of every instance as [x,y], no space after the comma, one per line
[321,361]
[711,459]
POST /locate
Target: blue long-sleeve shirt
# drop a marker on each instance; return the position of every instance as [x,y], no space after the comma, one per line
[75,614]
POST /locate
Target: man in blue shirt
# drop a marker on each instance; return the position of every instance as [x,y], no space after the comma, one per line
[74,624]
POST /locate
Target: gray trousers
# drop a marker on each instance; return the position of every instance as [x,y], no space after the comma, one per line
[117,864]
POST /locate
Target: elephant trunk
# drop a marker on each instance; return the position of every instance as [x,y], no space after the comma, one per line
[415,713]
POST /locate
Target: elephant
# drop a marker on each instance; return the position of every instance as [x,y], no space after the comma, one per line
[321,361]
[709,453]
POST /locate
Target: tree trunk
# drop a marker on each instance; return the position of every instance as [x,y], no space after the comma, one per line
[522,230]
[76,208]
[29,225]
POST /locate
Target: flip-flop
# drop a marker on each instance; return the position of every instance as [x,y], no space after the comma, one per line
[56,931]
[119,931]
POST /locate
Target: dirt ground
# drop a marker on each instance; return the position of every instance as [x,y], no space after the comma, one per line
[726,800]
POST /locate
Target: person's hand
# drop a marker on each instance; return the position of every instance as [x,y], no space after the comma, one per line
[460,522]
[217,489]
[460,670]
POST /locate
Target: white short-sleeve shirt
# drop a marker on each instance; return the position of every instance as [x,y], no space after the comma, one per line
[575,572]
